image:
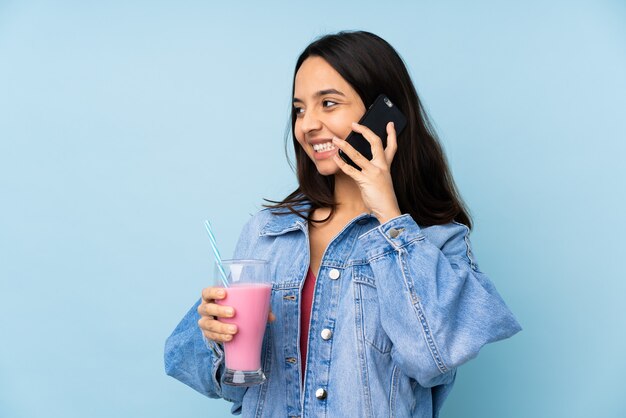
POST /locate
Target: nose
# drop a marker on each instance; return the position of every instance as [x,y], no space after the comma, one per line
[310,122]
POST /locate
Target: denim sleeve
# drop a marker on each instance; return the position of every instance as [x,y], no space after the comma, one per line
[198,362]
[437,308]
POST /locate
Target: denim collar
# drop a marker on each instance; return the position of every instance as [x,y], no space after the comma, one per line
[281,224]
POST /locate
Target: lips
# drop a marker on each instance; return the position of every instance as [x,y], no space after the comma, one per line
[324,151]
[323,147]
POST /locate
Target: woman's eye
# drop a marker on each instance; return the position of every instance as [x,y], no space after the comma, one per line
[328,103]
[298,110]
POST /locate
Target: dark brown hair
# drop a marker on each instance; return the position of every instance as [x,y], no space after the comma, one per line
[421,178]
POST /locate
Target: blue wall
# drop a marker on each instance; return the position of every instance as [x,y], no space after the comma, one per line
[123,126]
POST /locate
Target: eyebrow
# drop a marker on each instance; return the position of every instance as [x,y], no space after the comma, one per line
[321,93]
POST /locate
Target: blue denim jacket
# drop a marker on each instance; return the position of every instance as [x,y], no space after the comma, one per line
[400,308]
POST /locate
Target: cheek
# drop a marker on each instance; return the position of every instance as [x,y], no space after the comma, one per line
[299,135]
[342,124]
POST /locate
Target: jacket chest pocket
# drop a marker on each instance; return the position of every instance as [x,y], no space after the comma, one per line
[367,311]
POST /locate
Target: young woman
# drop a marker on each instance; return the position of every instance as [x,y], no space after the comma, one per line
[377,297]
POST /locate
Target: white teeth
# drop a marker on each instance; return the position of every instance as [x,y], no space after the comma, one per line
[326,146]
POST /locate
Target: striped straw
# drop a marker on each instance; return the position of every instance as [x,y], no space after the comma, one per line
[216,252]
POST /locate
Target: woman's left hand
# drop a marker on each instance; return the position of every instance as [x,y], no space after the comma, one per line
[374,179]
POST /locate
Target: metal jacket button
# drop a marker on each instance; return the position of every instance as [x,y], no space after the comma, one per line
[327,334]
[393,233]
[320,394]
[334,274]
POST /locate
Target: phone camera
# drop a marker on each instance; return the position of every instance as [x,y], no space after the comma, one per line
[388,102]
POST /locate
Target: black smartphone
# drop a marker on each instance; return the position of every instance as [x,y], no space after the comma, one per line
[378,115]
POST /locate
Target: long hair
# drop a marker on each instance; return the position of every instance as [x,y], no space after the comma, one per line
[421,178]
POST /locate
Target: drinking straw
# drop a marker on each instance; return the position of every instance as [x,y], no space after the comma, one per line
[216,253]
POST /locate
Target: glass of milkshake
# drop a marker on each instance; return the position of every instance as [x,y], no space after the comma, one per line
[248,293]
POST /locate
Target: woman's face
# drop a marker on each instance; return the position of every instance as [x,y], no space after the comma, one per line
[325,106]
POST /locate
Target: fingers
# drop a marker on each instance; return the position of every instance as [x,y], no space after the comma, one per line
[213,293]
[349,150]
[345,167]
[209,313]
[375,142]
[392,143]
[214,310]
[216,330]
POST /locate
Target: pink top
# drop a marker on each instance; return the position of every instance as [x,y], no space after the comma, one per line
[305,314]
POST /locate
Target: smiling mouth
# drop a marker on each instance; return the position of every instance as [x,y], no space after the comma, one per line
[326,146]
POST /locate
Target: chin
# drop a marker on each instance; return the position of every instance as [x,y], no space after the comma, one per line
[328,168]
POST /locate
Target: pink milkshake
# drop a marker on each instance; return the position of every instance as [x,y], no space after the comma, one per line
[251,302]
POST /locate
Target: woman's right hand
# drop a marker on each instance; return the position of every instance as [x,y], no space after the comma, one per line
[210,313]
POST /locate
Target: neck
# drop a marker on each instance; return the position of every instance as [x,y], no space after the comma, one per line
[348,196]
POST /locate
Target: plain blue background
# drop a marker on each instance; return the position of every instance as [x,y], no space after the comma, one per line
[123,126]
